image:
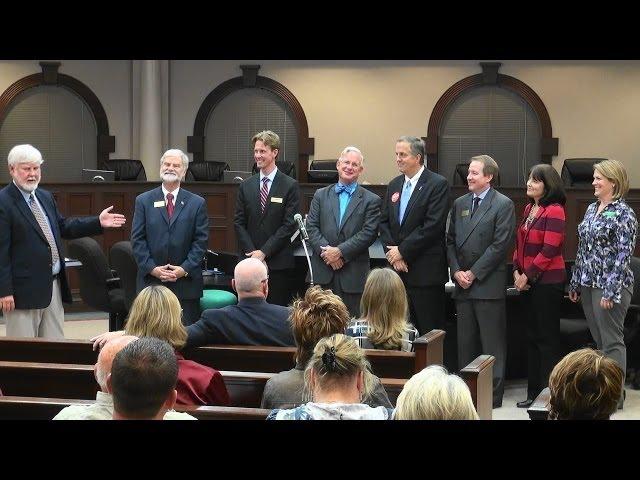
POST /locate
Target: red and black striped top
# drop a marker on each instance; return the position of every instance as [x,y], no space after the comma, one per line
[538,252]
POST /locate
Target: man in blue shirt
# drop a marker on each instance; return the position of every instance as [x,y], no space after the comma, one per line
[342,224]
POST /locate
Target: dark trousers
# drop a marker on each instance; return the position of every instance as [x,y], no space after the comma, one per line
[351,300]
[190,311]
[542,302]
[426,307]
[281,286]
[482,330]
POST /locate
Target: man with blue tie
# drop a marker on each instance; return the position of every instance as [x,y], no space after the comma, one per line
[169,236]
[342,224]
[412,231]
[33,282]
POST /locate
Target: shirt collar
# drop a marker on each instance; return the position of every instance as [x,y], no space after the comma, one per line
[413,180]
[271,176]
[483,194]
[174,192]
[25,195]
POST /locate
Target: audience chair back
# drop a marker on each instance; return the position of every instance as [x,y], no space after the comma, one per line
[99,288]
[578,172]
[124,263]
[126,169]
[206,171]
[288,168]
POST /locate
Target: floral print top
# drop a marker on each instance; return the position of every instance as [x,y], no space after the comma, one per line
[606,242]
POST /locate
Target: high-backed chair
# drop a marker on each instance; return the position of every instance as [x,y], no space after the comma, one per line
[288,168]
[578,172]
[460,174]
[127,169]
[206,171]
[99,287]
[323,171]
[124,263]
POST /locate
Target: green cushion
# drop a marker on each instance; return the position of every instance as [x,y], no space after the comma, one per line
[216,299]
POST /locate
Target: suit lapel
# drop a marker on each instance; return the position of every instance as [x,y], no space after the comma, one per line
[273,191]
[179,206]
[26,211]
[356,199]
[417,190]
[158,196]
[334,206]
[483,208]
[394,211]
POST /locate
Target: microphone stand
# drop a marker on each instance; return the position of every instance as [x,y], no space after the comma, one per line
[306,253]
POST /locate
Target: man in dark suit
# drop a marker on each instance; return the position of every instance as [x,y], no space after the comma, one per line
[342,224]
[169,236]
[252,321]
[33,282]
[412,230]
[481,230]
[264,221]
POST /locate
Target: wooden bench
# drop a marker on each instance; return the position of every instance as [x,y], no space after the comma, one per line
[245,389]
[387,364]
[37,408]
[539,409]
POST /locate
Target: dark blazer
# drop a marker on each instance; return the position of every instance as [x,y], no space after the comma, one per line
[25,255]
[480,243]
[270,232]
[421,236]
[358,230]
[182,241]
[252,321]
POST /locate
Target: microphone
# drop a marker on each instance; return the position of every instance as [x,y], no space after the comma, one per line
[303,231]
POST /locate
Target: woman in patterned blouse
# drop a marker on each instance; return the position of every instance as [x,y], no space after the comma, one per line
[602,275]
[384,310]
[539,273]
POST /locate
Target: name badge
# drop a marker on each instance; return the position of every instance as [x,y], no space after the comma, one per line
[610,214]
[159,203]
[276,200]
[465,213]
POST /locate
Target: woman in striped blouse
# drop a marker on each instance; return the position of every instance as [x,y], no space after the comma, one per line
[602,275]
[539,273]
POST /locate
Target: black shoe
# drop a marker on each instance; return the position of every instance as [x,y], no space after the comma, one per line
[497,404]
[525,403]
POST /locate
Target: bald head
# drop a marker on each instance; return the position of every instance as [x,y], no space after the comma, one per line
[249,276]
[106,356]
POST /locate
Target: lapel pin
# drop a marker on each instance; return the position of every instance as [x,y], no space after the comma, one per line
[420,187]
[181,203]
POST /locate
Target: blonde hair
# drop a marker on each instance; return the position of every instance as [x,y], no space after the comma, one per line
[585,385]
[615,172]
[433,394]
[336,360]
[319,314]
[156,312]
[384,305]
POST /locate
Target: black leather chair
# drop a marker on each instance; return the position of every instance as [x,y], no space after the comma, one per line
[578,172]
[124,263]
[127,169]
[206,171]
[323,171]
[99,287]
[288,168]
[460,174]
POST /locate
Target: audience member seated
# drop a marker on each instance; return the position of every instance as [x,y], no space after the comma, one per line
[252,321]
[585,385]
[143,380]
[336,381]
[156,313]
[434,394]
[103,408]
[384,310]
[319,314]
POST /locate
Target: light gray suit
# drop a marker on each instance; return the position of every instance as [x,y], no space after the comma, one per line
[353,236]
[480,243]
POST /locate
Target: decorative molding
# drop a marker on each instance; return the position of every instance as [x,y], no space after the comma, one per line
[196,142]
[50,76]
[490,76]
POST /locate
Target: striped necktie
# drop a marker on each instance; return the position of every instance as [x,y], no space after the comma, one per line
[264,193]
[44,226]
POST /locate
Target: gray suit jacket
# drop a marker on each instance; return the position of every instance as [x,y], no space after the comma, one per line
[480,243]
[358,230]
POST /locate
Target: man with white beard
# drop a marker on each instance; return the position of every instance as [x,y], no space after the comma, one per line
[169,236]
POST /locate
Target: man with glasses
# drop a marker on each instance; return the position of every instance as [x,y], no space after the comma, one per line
[252,321]
[412,231]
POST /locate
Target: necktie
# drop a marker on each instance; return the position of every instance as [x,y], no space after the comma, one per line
[264,193]
[170,204]
[476,202]
[37,212]
[404,200]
